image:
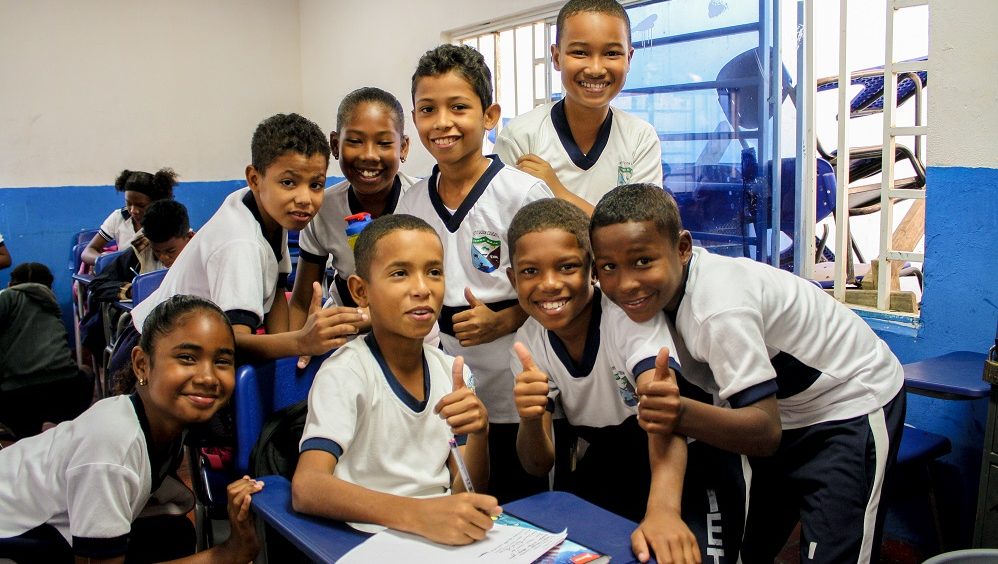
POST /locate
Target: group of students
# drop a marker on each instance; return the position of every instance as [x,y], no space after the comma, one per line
[714,401]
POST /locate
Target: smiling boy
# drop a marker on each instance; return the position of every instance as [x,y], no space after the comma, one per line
[580,146]
[469,200]
[240,260]
[800,382]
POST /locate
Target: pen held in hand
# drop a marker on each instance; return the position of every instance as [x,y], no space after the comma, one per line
[461,468]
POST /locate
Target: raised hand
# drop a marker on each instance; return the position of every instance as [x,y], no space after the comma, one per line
[461,408]
[476,325]
[327,328]
[658,397]
[531,387]
[242,543]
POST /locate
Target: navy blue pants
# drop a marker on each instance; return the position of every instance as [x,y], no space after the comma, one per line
[830,477]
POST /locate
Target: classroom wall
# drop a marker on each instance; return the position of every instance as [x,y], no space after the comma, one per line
[347,44]
[91,88]
[960,302]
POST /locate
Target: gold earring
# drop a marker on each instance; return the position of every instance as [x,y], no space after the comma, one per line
[402,159]
[143,382]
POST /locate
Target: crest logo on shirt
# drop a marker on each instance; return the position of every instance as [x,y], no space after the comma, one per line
[624,172]
[486,250]
[625,388]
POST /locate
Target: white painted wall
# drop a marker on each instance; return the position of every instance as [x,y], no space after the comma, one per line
[89,88]
[347,44]
[963,74]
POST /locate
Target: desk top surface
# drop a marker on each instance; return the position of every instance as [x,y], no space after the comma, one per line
[955,375]
[325,540]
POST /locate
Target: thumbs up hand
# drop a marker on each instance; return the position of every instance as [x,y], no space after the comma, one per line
[461,408]
[531,388]
[476,325]
[659,404]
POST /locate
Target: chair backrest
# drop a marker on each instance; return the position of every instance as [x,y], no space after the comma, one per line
[102,261]
[146,283]
[262,389]
[78,243]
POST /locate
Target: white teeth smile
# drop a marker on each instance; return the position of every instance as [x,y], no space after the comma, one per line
[553,305]
[369,173]
[593,85]
[445,141]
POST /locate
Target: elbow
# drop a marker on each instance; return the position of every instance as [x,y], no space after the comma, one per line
[299,494]
[769,440]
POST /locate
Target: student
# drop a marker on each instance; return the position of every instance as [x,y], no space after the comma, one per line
[82,486]
[124,225]
[800,382]
[168,229]
[469,200]
[370,145]
[239,259]
[4,254]
[580,355]
[383,408]
[580,146]
[39,379]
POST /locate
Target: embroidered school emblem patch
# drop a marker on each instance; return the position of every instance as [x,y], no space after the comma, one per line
[625,388]
[486,251]
[624,172]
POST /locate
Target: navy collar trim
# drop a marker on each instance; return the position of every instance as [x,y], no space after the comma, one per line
[671,315]
[591,350]
[390,202]
[250,202]
[581,160]
[125,214]
[161,467]
[453,221]
[393,383]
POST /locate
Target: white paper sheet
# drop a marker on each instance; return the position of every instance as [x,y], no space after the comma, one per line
[502,544]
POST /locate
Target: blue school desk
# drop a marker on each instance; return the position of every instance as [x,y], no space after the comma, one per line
[325,540]
[955,375]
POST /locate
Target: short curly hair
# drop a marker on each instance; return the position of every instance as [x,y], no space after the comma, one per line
[284,133]
[608,7]
[468,63]
[637,203]
[549,213]
[370,95]
[367,241]
[158,186]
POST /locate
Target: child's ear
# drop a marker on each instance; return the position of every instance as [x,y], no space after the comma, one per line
[685,245]
[511,276]
[492,115]
[404,148]
[252,177]
[358,289]
[334,144]
[556,57]
[140,364]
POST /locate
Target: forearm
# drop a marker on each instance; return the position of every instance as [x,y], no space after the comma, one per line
[667,457]
[534,446]
[301,295]
[276,320]
[563,193]
[511,319]
[253,347]
[325,495]
[753,430]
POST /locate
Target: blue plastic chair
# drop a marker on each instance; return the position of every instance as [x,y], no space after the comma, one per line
[916,454]
[261,389]
[145,284]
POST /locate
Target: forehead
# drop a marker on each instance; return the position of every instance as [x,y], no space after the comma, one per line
[593,27]
[549,243]
[171,242]
[621,236]
[200,327]
[414,246]
[293,161]
[133,197]
[370,115]
[450,84]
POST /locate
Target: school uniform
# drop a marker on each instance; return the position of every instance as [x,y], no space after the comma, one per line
[383,438]
[230,262]
[89,479]
[118,227]
[746,331]
[598,398]
[476,256]
[627,150]
[324,238]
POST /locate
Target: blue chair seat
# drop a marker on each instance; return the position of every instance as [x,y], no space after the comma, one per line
[921,446]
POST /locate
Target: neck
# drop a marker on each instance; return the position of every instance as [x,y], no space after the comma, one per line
[575,334]
[373,204]
[164,430]
[404,355]
[456,180]
[585,123]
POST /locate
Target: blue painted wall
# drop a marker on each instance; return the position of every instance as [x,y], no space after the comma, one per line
[959,312]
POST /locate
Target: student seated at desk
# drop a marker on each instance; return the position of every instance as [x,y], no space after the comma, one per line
[383,408]
[579,355]
[168,229]
[800,382]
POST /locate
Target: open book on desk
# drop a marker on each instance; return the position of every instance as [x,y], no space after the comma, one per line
[510,540]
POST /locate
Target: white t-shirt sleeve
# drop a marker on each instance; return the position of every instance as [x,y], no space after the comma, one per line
[308,240]
[235,278]
[508,149]
[734,346]
[648,158]
[640,343]
[538,191]
[335,406]
[109,229]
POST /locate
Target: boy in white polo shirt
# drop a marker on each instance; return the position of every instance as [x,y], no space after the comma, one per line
[580,146]
[383,408]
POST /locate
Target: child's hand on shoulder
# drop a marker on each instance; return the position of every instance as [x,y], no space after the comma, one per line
[659,403]
[461,408]
[664,535]
[456,519]
[538,168]
[242,543]
[479,324]
[531,388]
